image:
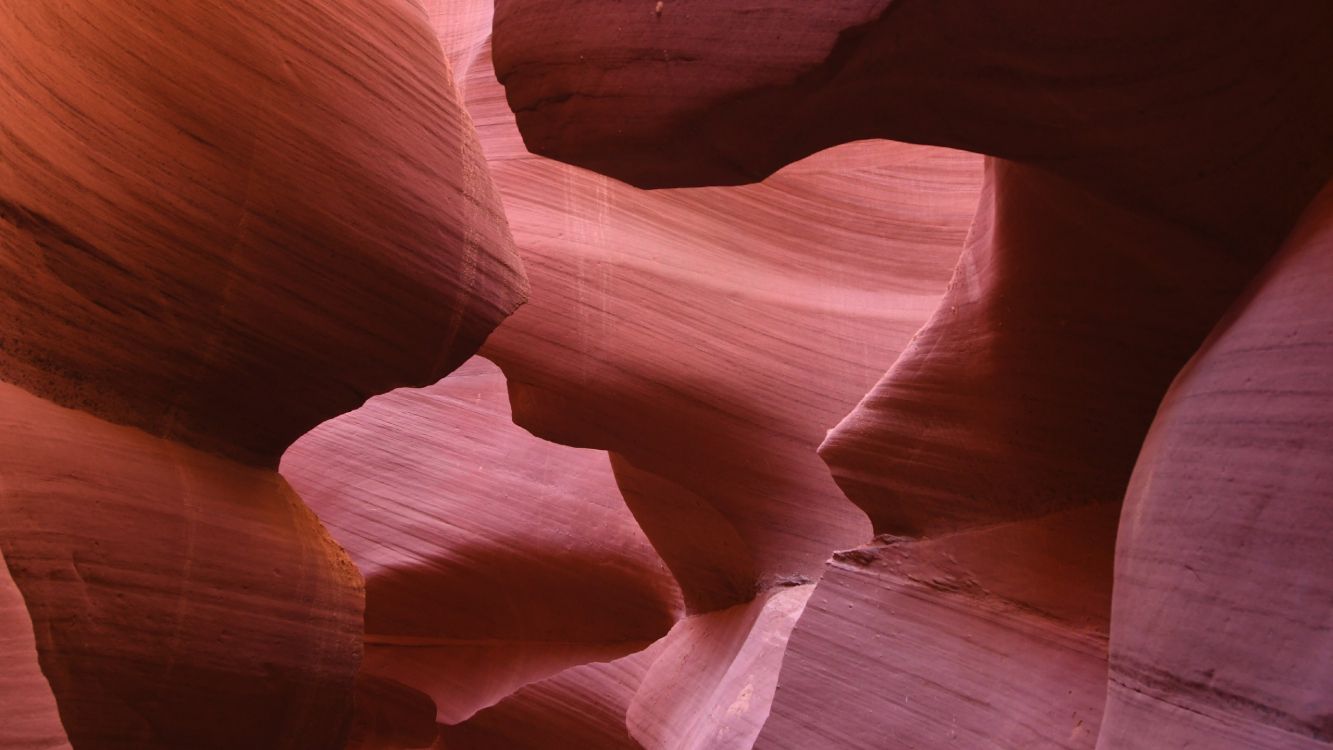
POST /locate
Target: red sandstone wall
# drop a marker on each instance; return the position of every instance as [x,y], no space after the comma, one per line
[827,441]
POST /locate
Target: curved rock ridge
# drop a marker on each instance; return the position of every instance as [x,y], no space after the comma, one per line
[492,559]
[580,708]
[707,684]
[178,598]
[992,637]
[1030,389]
[710,356]
[1136,98]
[942,374]
[707,339]
[31,719]
[204,212]
[953,74]
[712,683]
[219,226]
[612,354]
[1222,627]
[391,716]
[1150,160]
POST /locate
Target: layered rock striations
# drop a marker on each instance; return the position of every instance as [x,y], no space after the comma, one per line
[827,440]
[1223,598]
[694,335]
[1150,161]
[32,720]
[178,598]
[492,559]
[219,228]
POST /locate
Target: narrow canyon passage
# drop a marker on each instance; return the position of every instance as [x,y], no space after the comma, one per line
[666,375]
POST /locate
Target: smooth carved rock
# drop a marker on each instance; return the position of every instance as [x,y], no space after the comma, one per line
[993,637]
[707,685]
[31,719]
[591,89]
[1153,158]
[711,684]
[227,225]
[707,555]
[708,339]
[1222,627]
[178,599]
[391,716]
[224,226]
[1030,389]
[712,364]
[1137,98]
[492,559]
[580,708]
[219,226]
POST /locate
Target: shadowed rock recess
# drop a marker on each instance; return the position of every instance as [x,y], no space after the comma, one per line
[666,375]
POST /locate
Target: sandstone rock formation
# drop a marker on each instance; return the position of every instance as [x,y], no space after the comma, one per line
[218,228]
[1153,159]
[927,373]
[1223,595]
[178,598]
[31,717]
[492,559]
[643,308]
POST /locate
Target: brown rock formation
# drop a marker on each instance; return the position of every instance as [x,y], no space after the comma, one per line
[857,434]
[224,138]
[1153,159]
[580,708]
[492,558]
[143,564]
[31,719]
[645,306]
[217,228]
[1223,597]
[993,637]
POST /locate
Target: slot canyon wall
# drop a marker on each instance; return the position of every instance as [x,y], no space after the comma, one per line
[621,374]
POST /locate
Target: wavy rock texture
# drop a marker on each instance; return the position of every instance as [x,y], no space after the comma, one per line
[1153,159]
[31,719]
[1222,634]
[999,631]
[389,715]
[492,558]
[713,681]
[644,307]
[707,684]
[218,228]
[1041,341]
[580,708]
[1154,180]
[611,355]
[639,295]
[1137,98]
[223,226]
[331,134]
[143,564]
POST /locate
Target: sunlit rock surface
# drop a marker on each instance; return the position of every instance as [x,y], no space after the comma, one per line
[941,374]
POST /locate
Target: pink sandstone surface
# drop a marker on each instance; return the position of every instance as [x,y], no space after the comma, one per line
[219,227]
[941,374]
[492,559]
[32,719]
[1109,240]
[1220,632]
